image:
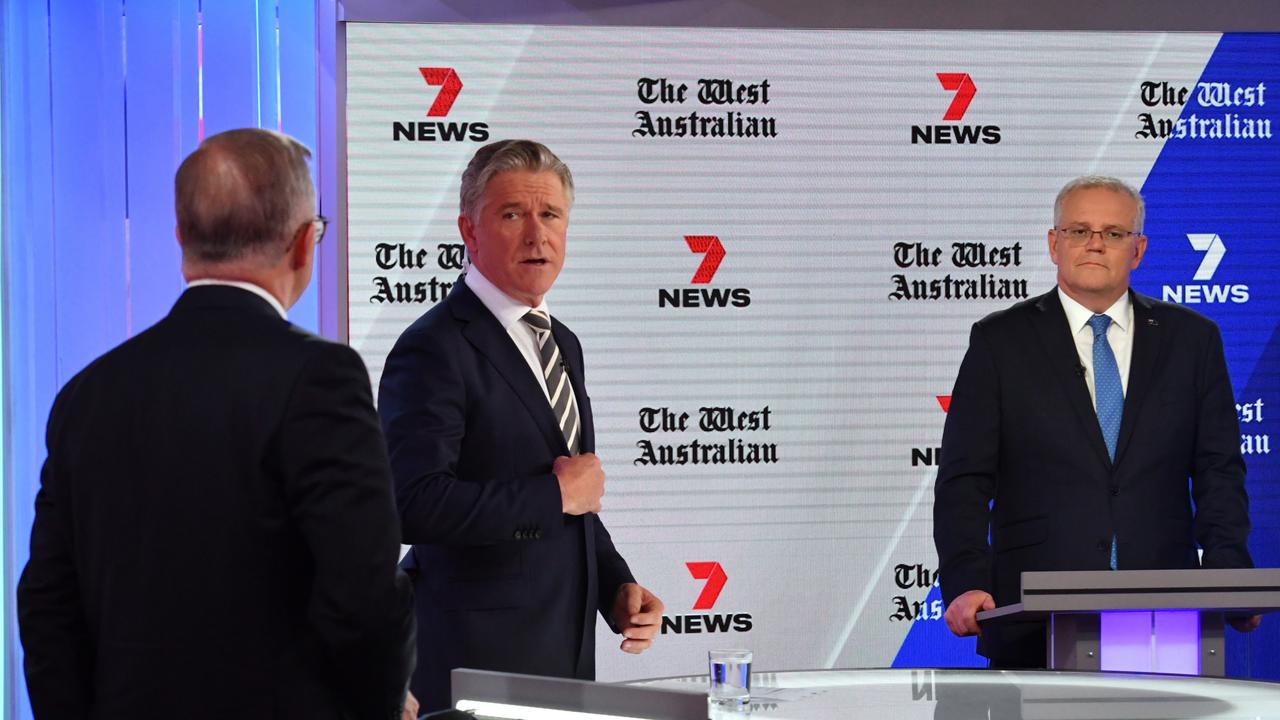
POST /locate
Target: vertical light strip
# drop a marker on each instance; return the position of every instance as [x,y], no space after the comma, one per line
[257,63]
[279,105]
[128,250]
[7,641]
[200,71]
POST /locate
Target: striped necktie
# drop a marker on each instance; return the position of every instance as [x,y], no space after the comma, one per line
[557,380]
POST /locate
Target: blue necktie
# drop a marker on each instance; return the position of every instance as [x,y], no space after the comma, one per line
[1108,393]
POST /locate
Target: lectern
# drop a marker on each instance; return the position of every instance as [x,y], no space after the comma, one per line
[1140,620]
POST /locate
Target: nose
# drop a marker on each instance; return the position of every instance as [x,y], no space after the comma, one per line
[1095,241]
[534,232]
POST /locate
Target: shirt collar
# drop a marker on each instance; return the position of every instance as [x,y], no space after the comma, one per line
[256,290]
[505,308]
[1121,312]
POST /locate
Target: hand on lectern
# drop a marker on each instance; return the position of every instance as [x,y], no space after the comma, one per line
[962,613]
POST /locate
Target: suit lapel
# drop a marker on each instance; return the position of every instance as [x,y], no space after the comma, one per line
[1064,367]
[1148,347]
[482,330]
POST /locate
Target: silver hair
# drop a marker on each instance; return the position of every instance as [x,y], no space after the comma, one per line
[1088,182]
[242,194]
[504,156]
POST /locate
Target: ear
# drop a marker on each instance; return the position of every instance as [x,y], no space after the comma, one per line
[1053,245]
[301,249]
[468,232]
[177,235]
[1139,250]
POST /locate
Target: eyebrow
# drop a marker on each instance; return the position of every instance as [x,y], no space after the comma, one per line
[518,206]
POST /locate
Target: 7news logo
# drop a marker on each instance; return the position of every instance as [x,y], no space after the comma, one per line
[930,456]
[964,88]
[715,576]
[1204,292]
[436,131]
[704,297]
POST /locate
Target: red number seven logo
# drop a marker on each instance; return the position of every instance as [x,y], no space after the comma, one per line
[962,85]
[709,244]
[715,577]
[449,84]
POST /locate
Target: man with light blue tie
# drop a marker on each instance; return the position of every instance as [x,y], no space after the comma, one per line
[1089,428]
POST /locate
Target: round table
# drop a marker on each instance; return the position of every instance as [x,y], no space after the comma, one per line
[907,694]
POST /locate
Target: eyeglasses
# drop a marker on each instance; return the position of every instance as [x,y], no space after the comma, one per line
[323,223]
[1082,235]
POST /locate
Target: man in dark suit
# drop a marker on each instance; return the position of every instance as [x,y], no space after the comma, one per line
[1089,428]
[489,426]
[214,534]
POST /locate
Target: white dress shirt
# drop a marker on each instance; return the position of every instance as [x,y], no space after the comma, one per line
[275,303]
[509,312]
[1119,336]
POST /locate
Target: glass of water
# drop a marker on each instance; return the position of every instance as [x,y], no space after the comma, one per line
[730,674]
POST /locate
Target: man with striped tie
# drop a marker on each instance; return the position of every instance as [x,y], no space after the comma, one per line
[1089,428]
[489,427]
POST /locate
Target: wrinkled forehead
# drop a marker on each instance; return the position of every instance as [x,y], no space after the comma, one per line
[525,187]
[1098,204]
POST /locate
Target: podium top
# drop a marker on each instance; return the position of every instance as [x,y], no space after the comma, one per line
[1244,591]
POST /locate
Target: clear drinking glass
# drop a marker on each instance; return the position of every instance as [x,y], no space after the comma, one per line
[730,676]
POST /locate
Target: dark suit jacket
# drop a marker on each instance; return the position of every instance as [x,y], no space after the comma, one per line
[1022,432]
[505,581]
[214,533]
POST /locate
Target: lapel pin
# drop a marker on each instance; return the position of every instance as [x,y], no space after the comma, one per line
[1153,322]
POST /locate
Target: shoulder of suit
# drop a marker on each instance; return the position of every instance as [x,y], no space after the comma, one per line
[435,321]
[1014,314]
[1179,316]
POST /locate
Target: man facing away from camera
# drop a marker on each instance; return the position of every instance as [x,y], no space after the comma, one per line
[214,534]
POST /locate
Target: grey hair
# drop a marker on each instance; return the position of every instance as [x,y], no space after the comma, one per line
[504,156]
[242,194]
[1089,182]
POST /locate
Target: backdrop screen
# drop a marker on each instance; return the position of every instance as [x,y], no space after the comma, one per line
[779,242]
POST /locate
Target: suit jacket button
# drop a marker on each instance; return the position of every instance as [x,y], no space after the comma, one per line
[1104,545]
[537,534]
[519,534]
[1115,491]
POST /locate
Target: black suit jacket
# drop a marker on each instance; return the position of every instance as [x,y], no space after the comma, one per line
[504,580]
[214,533]
[1022,434]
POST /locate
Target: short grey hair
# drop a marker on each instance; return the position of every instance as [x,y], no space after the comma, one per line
[505,156]
[241,195]
[1089,182]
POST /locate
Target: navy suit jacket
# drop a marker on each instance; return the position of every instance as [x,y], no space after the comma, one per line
[214,534]
[1022,435]
[504,579]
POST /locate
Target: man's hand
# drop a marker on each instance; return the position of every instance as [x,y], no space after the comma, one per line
[962,613]
[410,711]
[637,613]
[581,483]
[1246,623]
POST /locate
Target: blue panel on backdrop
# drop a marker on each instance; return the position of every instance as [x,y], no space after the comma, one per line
[298,118]
[930,644]
[31,344]
[232,72]
[163,128]
[1213,219]
[87,73]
